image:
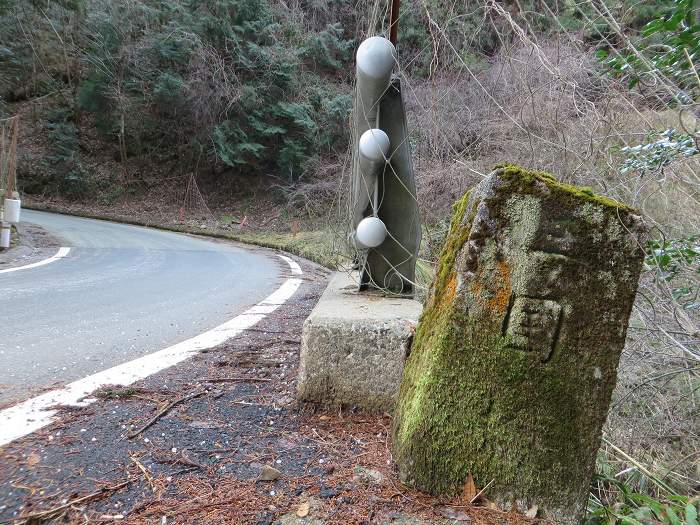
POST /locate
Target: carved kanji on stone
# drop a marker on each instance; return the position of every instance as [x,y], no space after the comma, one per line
[533,325]
[515,356]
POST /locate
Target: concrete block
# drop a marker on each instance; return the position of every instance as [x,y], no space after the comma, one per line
[354,345]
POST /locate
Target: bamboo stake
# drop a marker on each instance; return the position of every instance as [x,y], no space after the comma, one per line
[12,157]
[2,154]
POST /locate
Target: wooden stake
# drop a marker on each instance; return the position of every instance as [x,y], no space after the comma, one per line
[12,160]
[394,21]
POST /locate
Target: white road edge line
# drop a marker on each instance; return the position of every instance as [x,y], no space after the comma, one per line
[292,264]
[60,254]
[31,415]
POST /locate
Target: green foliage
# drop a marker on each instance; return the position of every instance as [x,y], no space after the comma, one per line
[671,255]
[675,261]
[32,62]
[334,120]
[168,93]
[68,176]
[93,96]
[663,148]
[231,146]
[285,131]
[327,50]
[74,5]
[632,508]
[211,81]
[11,66]
[472,29]
[643,13]
[667,46]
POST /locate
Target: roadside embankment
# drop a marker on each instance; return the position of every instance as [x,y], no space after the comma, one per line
[317,245]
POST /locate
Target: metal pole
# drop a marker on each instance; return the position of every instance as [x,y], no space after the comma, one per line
[394,21]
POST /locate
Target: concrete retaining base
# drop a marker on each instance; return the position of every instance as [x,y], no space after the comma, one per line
[353,347]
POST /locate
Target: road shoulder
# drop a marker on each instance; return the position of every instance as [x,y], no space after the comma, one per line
[217,439]
[34,244]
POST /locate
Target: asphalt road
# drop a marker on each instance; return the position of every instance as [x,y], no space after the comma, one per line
[122,292]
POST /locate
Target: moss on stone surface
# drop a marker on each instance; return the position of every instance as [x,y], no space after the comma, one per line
[471,403]
[524,177]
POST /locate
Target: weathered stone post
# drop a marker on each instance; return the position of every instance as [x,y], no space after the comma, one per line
[515,356]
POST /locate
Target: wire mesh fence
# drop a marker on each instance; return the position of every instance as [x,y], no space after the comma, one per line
[597,106]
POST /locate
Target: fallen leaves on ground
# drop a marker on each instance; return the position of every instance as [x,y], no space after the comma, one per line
[303,510]
[33,459]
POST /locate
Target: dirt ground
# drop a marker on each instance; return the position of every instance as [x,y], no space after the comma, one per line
[220,439]
[30,244]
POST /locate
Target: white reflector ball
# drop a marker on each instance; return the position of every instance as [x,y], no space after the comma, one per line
[376,57]
[371,232]
[374,145]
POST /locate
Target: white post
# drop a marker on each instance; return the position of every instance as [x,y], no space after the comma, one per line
[12,210]
[5,235]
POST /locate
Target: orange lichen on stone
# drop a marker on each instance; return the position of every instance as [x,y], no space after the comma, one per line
[450,289]
[475,288]
[499,302]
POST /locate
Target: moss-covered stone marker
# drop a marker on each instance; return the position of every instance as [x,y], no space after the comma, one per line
[515,356]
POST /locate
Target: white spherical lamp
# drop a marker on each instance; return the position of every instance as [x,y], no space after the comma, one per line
[376,57]
[374,145]
[371,232]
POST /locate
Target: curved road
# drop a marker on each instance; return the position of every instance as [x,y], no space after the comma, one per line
[122,292]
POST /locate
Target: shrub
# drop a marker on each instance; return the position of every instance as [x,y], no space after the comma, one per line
[663,53]
[327,50]
[66,172]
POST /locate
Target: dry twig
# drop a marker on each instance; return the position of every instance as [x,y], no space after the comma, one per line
[164,411]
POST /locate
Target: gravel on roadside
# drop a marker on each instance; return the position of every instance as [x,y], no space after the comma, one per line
[33,244]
